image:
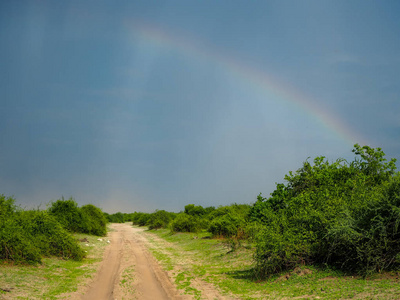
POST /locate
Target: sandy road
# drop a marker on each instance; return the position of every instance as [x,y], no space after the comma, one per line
[128,251]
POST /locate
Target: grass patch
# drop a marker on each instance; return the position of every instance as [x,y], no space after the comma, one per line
[127,280]
[55,278]
[211,260]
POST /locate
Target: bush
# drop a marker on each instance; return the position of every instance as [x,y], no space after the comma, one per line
[141,219]
[194,210]
[186,223]
[227,225]
[116,218]
[27,236]
[87,219]
[159,219]
[16,244]
[49,236]
[94,220]
[7,206]
[368,240]
[68,214]
[342,214]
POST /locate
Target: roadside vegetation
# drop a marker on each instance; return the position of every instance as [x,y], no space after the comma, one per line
[190,257]
[26,236]
[339,215]
[327,231]
[54,277]
[47,254]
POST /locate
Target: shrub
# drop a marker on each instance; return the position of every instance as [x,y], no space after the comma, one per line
[49,236]
[368,240]
[194,210]
[142,219]
[186,223]
[87,219]
[159,219]
[7,206]
[27,236]
[68,214]
[116,218]
[16,244]
[343,214]
[227,225]
[94,220]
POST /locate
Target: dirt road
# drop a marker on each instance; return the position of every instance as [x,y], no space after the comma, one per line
[128,271]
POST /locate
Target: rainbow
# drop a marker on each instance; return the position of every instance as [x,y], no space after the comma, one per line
[259,78]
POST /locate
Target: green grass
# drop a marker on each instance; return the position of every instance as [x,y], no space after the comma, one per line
[213,261]
[183,281]
[127,280]
[55,278]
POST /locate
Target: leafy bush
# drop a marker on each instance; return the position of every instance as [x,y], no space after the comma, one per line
[94,220]
[49,236]
[87,219]
[68,214]
[116,218]
[159,219]
[343,214]
[186,223]
[227,225]
[7,206]
[368,240]
[16,244]
[240,210]
[229,221]
[194,210]
[141,219]
[27,236]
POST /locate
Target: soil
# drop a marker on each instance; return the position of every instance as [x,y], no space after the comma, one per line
[129,271]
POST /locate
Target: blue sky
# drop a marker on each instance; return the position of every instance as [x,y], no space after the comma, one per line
[144,105]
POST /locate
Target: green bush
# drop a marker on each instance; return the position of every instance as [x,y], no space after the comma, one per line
[141,219]
[94,220]
[16,244]
[368,240]
[87,219]
[68,214]
[186,223]
[342,214]
[7,206]
[229,221]
[159,219]
[227,225]
[116,218]
[49,236]
[194,210]
[27,236]
[240,210]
